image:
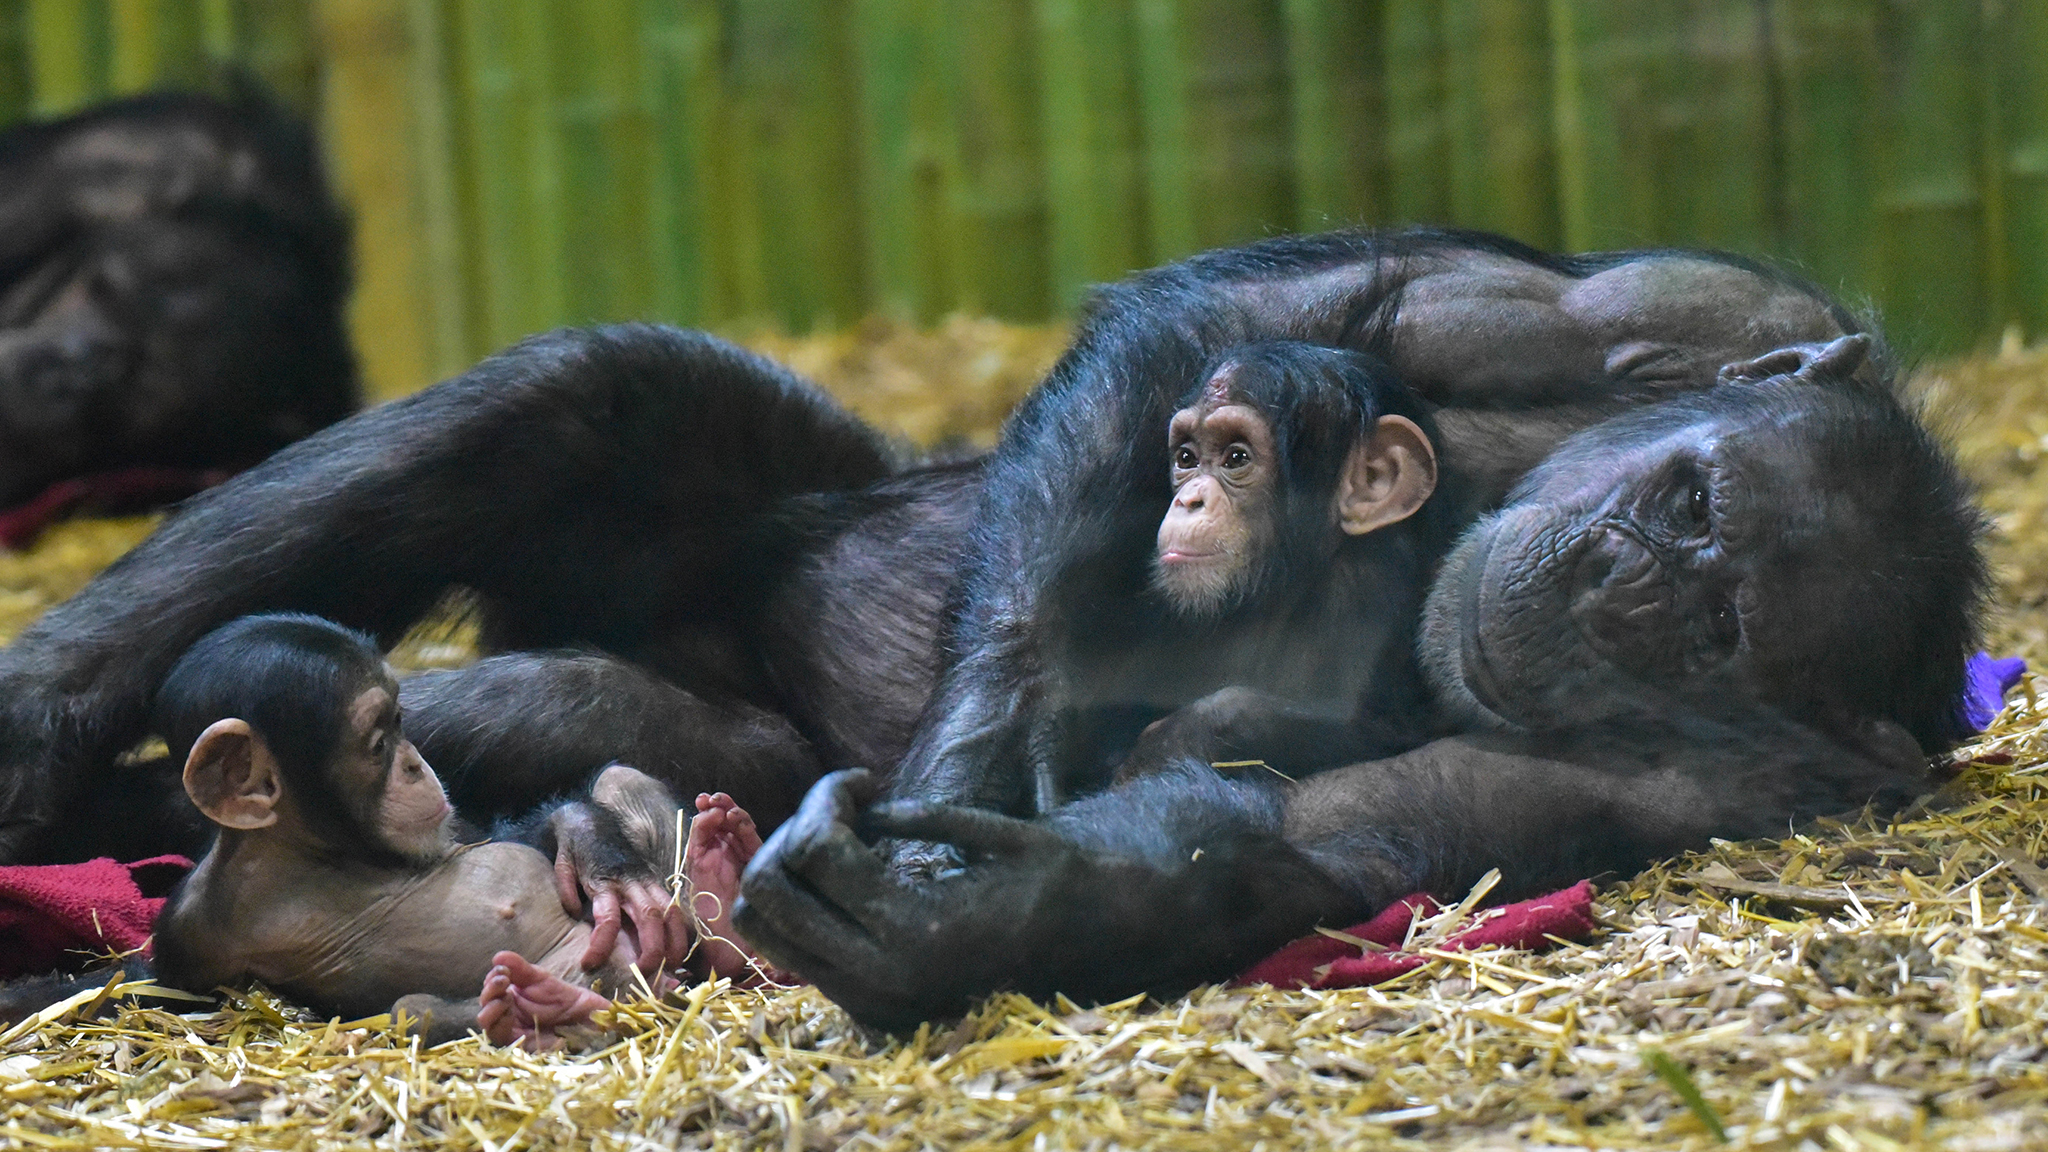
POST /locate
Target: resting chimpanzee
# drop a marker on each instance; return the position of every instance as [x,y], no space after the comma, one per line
[172,278]
[667,499]
[1281,461]
[1286,562]
[339,874]
[1645,647]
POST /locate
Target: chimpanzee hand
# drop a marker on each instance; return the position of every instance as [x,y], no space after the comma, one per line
[1029,910]
[591,859]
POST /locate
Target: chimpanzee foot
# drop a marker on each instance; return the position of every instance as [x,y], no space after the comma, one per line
[722,841]
[521,1004]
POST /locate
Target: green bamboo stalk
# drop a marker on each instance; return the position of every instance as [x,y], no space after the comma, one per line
[606,141]
[1715,175]
[60,55]
[1418,170]
[137,28]
[445,291]
[1093,190]
[1498,63]
[1334,71]
[218,31]
[901,173]
[792,65]
[1931,199]
[1603,55]
[997,229]
[1568,127]
[1234,92]
[1827,60]
[2019,41]
[515,149]
[1163,100]
[276,43]
[679,76]
[14,74]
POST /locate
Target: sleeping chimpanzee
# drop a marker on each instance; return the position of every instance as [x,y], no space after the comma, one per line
[339,874]
[1644,649]
[173,272]
[669,500]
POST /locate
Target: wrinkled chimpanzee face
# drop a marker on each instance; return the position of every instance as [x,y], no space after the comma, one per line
[401,797]
[1791,543]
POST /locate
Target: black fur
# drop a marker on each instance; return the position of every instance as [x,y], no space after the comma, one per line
[173,274]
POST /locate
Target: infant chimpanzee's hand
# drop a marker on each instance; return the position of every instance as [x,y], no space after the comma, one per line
[593,858]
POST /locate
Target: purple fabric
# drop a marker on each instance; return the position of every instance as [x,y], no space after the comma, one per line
[1985,682]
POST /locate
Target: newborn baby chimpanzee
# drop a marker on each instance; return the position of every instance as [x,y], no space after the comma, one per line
[340,875]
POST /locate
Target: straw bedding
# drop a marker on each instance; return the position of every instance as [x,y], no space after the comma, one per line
[1856,985]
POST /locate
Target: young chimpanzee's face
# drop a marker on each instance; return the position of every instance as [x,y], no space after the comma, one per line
[1242,516]
[1222,519]
[399,794]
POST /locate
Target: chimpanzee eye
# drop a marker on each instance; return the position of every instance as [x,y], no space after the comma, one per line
[1237,457]
[1700,504]
[1184,457]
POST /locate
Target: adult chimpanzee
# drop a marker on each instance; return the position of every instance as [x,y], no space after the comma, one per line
[172,278]
[1627,643]
[670,500]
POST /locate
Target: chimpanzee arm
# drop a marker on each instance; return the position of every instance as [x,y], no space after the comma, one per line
[509,728]
[1246,725]
[1187,876]
[1520,348]
[595,486]
[1171,880]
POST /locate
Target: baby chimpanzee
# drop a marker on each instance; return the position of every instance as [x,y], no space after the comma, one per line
[1296,479]
[339,877]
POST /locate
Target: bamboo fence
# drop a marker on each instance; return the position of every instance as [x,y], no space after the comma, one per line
[800,164]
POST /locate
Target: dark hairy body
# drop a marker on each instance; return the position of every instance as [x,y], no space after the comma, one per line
[173,272]
[702,514]
[717,529]
[1644,649]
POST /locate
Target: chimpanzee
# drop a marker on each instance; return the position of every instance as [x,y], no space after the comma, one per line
[339,875]
[1288,561]
[1645,650]
[669,500]
[173,272]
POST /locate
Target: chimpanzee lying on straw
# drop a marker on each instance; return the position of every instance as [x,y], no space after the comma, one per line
[172,278]
[991,635]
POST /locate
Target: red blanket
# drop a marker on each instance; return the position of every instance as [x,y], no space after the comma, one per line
[1321,961]
[120,492]
[57,916]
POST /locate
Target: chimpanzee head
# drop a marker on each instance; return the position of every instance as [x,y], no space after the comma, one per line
[1280,453]
[1797,541]
[291,722]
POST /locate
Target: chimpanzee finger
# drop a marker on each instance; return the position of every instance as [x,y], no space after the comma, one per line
[830,807]
[566,885]
[658,927]
[796,930]
[604,931]
[974,829]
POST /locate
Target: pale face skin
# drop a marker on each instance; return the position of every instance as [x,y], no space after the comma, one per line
[1224,518]
[412,814]
[1221,518]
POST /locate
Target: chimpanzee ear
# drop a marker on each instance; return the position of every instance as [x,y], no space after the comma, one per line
[232,776]
[1386,478]
[1837,359]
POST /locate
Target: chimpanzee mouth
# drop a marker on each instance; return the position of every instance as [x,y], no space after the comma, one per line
[1622,599]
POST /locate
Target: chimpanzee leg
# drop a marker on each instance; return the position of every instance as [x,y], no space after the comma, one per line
[602,487]
[512,728]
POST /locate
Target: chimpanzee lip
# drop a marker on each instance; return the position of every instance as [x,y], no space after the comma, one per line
[1182,556]
[1474,667]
